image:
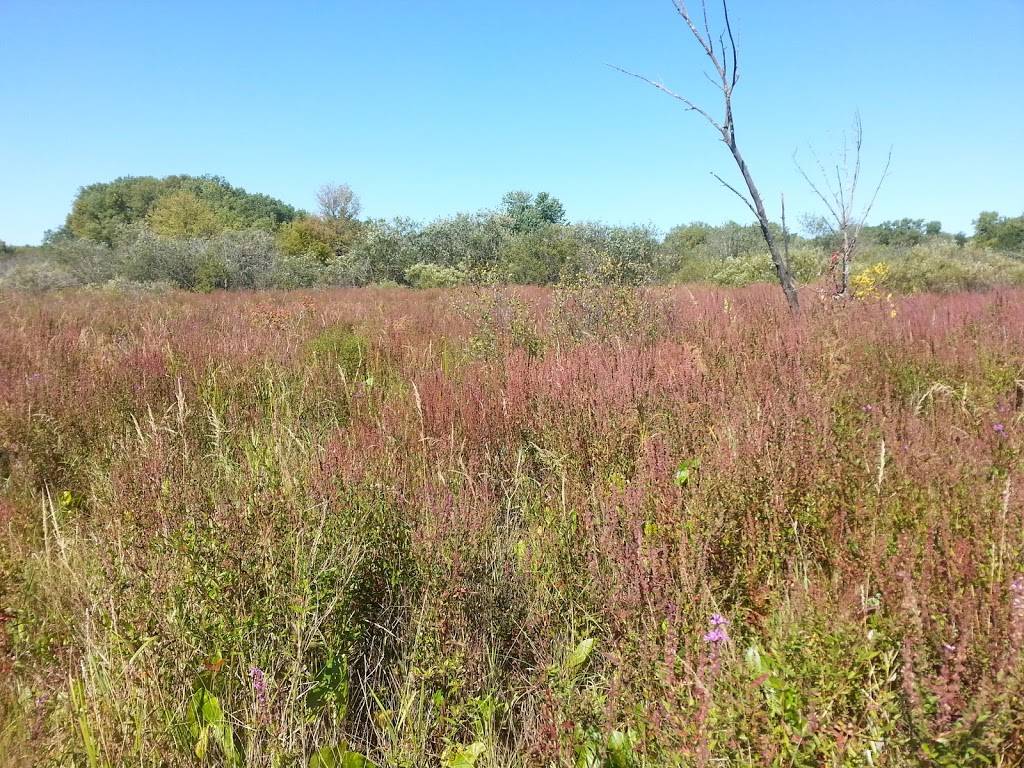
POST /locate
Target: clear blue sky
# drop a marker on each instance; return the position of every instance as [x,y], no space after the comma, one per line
[428,108]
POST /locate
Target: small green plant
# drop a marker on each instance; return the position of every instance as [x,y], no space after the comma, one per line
[206,721]
[339,757]
[685,471]
[330,687]
[459,756]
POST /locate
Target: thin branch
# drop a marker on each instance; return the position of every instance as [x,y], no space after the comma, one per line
[732,44]
[712,81]
[665,89]
[874,196]
[817,191]
[844,202]
[828,184]
[706,44]
[785,231]
[858,144]
[704,11]
[738,194]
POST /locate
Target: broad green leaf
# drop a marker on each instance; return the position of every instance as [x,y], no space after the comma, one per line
[580,653]
[465,757]
[588,755]
[202,741]
[620,749]
[339,756]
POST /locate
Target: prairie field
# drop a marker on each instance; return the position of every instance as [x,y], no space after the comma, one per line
[575,527]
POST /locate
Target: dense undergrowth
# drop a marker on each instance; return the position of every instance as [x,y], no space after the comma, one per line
[583,527]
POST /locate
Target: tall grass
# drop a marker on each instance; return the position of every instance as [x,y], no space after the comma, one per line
[510,528]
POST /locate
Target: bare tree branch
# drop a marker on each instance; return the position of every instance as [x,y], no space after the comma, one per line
[818,192]
[732,44]
[664,89]
[874,195]
[785,230]
[736,192]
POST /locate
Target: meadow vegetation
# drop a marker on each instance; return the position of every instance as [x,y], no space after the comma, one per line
[590,525]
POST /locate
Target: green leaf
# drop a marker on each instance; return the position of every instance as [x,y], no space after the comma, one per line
[465,757]
[685,470]
[620,749]
[330,687]
[588,755]
[202,742]
[580,653]
[339,756]
[205,717]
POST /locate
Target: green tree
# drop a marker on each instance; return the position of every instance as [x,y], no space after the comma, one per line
[324,239]
[526,212]
[184,214]
[902,232]
[384,250]
[537,256]
[103,211]
[1000,233]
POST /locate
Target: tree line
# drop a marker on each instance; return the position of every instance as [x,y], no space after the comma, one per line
[202,233]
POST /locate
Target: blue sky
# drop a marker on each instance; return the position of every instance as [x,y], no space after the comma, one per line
[426,109]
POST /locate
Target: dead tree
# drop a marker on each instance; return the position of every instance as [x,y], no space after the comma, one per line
[843,221]
[725,61]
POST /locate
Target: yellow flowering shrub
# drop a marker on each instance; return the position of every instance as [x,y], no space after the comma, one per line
[865,283]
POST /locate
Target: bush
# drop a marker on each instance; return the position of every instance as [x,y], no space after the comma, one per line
[249,257]
[153,258]
[422,275]
[297,271]
[38,276]
[87,261]
[943,267]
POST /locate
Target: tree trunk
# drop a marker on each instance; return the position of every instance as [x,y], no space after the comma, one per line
[844,286]
[778,259]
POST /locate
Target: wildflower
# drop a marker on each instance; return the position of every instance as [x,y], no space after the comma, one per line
[718,633]
[999,428]
[868,408]
[259,685]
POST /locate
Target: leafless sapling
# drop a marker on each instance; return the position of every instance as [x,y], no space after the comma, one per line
[843,221]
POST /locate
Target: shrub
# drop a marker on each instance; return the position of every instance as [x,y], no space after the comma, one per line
[944,267]
[38,277]
[422,275]
[249,257]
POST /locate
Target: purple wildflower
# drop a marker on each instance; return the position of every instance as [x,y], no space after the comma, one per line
[716,635]
[259,685]
[999,428]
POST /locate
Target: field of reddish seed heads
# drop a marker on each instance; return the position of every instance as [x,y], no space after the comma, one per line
[513,527]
